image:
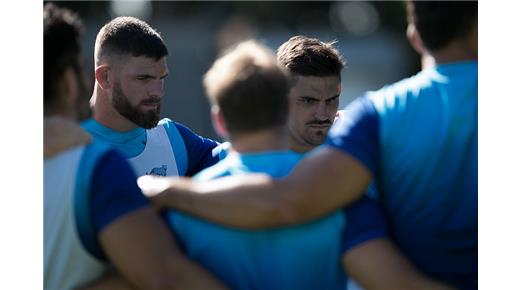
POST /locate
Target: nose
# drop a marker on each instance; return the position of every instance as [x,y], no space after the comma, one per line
[321,113]
[157,88]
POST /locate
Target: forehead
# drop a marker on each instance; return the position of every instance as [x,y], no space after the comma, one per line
[312,86]
[144,65]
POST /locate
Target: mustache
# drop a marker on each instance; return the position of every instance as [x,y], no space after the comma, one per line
[151,101]
[318,122]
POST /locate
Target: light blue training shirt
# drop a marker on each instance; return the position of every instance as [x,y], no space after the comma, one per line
[306,256]
[418,137]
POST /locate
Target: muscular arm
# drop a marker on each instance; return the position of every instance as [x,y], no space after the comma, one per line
[133,237]
[377,264]
[141,248]
[322,182]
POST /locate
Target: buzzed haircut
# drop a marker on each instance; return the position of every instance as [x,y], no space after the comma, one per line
[250,89]
[306,56]
[439,23]
[129,36]
[62,30]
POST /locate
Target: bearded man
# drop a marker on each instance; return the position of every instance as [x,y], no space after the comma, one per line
[130,70]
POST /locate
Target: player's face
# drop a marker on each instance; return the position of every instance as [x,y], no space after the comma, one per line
[138,90]
[313,105]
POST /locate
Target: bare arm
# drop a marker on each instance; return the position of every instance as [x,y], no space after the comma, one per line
[143,250]
[324,181]
[378,265]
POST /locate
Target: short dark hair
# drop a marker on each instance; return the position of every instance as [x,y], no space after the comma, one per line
[129,36]
[250,89]
[306,56]
[62,30]
[441,22]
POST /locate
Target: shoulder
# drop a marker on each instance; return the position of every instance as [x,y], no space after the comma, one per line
[90,125]
[219,169]
[106,160]
[114,195]
[396,96]
[95,152]
[166,122]
[171,126]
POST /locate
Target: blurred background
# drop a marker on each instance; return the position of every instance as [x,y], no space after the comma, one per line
[370,35]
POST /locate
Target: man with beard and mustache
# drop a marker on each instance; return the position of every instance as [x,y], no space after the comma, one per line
[130,60]
[96,219]
[315,69]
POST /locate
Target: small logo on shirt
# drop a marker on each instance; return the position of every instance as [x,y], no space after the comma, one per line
[160,171]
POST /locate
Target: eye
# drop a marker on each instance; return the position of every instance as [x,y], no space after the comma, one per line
[143,78]
[308,101]
[332,101]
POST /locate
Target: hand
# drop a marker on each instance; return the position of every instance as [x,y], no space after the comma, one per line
[154,185]
[339,114]
[160,190]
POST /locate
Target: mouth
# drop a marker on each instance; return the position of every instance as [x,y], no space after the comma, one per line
[320,126]
[150,105]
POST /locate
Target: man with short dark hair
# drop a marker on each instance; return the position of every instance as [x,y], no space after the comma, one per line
[315,67]
[130,62]
[95,220]
[416,139]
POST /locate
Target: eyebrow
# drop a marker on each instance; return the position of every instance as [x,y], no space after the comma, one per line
[317,99]
[150,76]
[332,98]
[308,98]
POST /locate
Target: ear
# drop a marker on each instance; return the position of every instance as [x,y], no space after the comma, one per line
[415,39]
[103,77]
[218,122]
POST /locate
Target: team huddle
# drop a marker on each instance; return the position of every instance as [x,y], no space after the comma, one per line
[380,195]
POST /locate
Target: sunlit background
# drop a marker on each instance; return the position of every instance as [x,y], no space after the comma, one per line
[371,36]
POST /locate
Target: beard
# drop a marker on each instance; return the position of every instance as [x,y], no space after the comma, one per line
[144,119]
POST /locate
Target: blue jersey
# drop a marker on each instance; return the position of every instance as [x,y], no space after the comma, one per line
[306,256]
[169,149]
[418,137]
[82,195]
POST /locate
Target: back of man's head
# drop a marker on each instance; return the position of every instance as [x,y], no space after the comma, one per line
[306,56]
[128,36]
[439,23]
[249,88]
[61,49]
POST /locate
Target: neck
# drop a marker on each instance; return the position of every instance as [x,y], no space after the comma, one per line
[105,114]
[299,147]
[465,49]
[266,140]
[448,55]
